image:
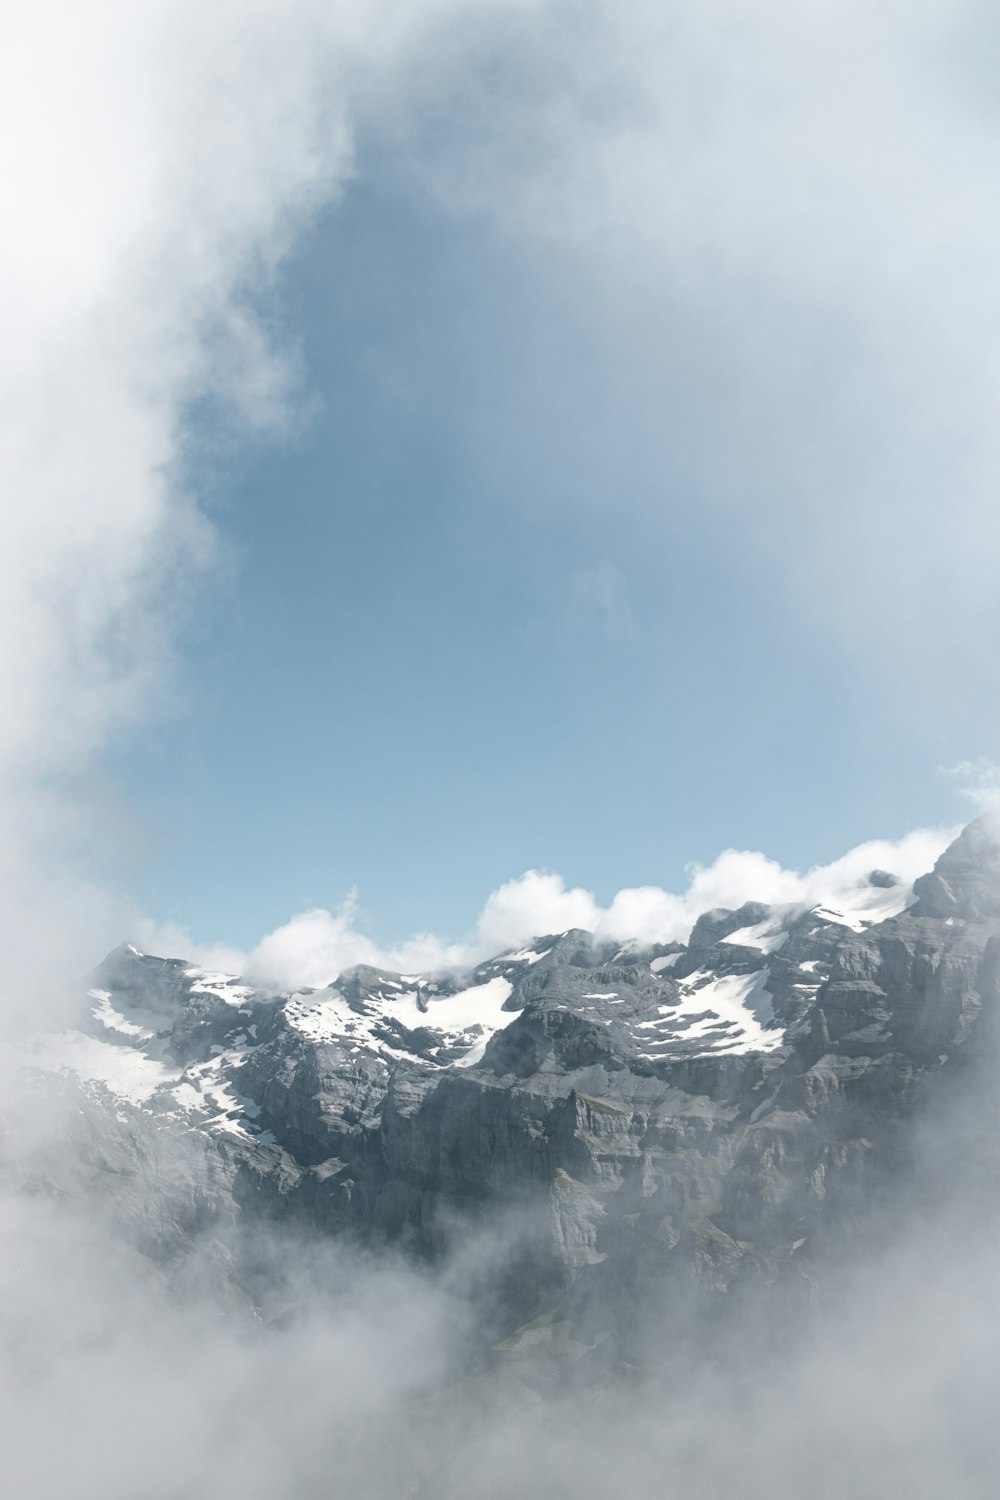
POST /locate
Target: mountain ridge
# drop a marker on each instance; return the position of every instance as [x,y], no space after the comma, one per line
[700,1115]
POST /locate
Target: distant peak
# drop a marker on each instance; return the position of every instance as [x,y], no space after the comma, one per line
[965,882]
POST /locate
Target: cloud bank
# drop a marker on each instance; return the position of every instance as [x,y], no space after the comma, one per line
[779,229]
[159,159]
[315,946]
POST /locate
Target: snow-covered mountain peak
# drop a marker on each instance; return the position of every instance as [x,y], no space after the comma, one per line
[174,1038]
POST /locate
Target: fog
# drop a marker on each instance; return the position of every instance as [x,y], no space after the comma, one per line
[357,1373]
[156,1344]
[151,1345]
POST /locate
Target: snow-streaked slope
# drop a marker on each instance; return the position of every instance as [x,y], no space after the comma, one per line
[128,1058]
[179,1041]
[866,907]
[127,1073]
[124,1049]
[768,936]
[223,986]
[715,1013]
[466,1019]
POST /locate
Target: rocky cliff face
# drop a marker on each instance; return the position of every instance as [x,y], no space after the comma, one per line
[697,1117]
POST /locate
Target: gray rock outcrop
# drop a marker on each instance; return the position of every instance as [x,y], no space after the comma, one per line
[695,1117]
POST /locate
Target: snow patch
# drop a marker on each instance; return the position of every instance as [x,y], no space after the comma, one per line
[766,935]
[113,1020]
[726,1013]
[866,905]
[469,1017]
[125,1072]
[224,986]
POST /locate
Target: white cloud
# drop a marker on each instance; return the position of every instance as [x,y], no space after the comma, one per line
[538,902]
[170,940]
[979,780]
[315,946]
[780,222]
[159,160]
[163,158]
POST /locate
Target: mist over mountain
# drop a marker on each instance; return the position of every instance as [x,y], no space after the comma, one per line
[520,1207]
[446,440]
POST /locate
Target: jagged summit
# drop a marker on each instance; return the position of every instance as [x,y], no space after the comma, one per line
[704,1105]
[742,979]
[184,1043]
[965,881]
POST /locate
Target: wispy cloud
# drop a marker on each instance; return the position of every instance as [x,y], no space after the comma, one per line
[781,229]
[979,780]
[161,159]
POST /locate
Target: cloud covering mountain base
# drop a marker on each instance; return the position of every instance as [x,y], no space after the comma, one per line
[163,160]
[773,1268]
[362,1379]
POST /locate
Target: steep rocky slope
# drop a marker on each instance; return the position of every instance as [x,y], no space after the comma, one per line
[695,1117]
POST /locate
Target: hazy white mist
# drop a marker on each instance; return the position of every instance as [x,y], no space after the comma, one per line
[804,176]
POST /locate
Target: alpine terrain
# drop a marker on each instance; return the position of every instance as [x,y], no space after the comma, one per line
[666,1126]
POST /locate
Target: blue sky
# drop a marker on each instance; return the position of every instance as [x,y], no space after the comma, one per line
[480,620]
[593,411]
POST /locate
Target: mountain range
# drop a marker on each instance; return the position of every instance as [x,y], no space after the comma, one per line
[675,1123]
